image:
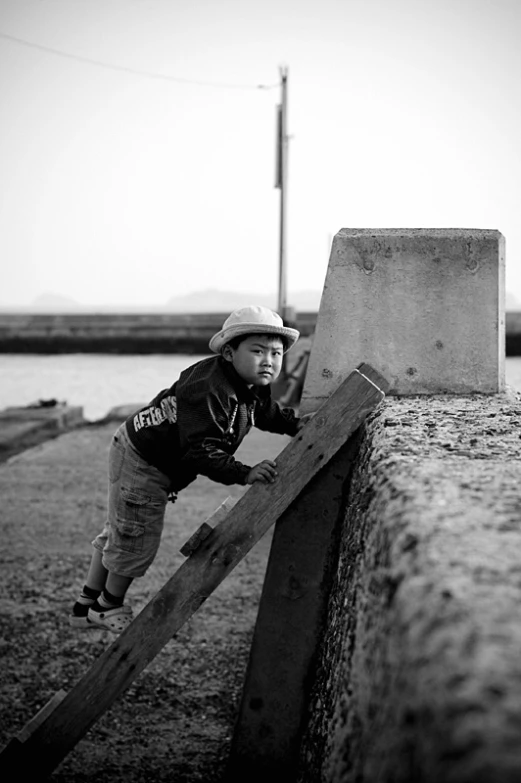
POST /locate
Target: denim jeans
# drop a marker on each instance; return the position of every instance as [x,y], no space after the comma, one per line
[137,498]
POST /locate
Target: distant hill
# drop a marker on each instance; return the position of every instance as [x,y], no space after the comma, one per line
[206,301]
[55,303]
[210,300]
[214,301]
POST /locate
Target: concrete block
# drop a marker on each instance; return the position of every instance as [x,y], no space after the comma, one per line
[418,679]
[21,428]
[61,416]
[424,307]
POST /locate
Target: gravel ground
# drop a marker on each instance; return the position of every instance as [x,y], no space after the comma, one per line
[175,722]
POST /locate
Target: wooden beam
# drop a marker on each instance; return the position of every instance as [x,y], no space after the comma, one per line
[202,532]
[290,621]
[289,627]
[14,748]
[251,517]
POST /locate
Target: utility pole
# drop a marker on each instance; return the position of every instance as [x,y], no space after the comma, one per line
[282,185]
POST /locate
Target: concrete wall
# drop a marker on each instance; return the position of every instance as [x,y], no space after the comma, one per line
[116,333]
[425,307]
[154,332]
[419,673]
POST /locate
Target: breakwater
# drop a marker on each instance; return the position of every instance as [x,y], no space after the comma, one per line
[418,677]
[144,332]
[130,333]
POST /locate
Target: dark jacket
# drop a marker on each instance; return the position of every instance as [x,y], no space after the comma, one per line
[196,425]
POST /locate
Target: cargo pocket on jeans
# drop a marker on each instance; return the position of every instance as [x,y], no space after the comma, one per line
[132,519]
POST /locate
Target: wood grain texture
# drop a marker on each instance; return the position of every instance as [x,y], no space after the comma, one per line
[204,530]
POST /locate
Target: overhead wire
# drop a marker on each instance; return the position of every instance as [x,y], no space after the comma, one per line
[136,71]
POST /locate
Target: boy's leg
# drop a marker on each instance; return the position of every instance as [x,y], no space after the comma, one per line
[138,494]
[95,582]
[101,582]
[102,592]
[97,576]
[118,585]
[108,610]
[113,594]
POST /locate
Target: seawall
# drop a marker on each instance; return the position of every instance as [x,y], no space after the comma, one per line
[144,332]
[116,333]
[418,677]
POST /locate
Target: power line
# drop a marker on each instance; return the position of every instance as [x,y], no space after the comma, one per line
[135,71]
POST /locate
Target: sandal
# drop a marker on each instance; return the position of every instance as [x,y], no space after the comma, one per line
[76,621]
[115,620]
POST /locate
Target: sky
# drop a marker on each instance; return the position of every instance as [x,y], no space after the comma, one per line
[137,158]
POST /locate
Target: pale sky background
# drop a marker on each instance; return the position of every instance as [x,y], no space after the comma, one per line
[120,188]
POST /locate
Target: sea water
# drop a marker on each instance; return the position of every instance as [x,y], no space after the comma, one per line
[96,382]
[99,382]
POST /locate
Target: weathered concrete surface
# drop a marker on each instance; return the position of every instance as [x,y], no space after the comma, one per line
[21,428]
[425,307]
[116,332]
[420,670]
[131,333]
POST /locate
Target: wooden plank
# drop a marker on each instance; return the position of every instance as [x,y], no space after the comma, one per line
[40,716]
[292,610]
[205,529]
[11,752]
[200,574]
[290,621]
[196,539]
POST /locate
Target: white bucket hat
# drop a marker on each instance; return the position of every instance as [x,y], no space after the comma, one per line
[252,320]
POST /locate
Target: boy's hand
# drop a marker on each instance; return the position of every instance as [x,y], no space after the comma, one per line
[265,472]
[304,420]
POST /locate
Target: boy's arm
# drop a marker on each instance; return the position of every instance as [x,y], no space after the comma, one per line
[203,422]
[272,418]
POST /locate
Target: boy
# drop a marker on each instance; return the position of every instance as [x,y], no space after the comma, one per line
[192,428]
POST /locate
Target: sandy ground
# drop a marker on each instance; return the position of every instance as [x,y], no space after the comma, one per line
[176,720]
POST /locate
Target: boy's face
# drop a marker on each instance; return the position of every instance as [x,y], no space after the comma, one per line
[257,359]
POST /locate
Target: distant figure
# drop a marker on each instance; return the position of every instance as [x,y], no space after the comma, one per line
[192,428]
